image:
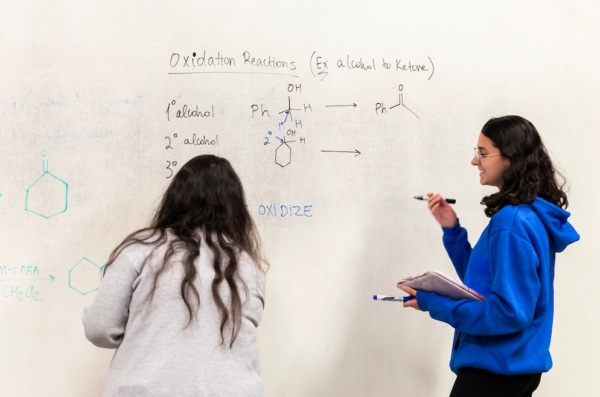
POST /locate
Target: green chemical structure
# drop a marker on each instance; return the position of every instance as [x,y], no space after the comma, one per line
[85,276]
[47,197]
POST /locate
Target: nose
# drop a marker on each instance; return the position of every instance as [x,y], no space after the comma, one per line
[474,161]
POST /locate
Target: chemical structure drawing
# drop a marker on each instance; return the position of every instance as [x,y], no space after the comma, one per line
[85,276]
[47,197]
[401,101]
[380,108]
[283,154]
[288,111]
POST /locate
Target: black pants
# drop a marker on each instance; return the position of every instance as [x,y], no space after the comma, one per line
[472,382]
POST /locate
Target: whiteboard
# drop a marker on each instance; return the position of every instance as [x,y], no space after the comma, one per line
[102,101]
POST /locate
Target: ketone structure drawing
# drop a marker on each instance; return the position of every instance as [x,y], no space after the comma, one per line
[85,276]
[47,197]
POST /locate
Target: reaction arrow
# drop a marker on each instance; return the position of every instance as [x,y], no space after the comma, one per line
[342,151]
[49,279]
[334,106]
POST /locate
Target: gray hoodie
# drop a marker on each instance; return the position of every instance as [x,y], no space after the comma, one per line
[156,355]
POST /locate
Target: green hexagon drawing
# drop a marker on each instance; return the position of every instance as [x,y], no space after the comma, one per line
[85,276]
[48,195]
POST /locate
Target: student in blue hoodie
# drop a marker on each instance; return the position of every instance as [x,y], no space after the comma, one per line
[501,345]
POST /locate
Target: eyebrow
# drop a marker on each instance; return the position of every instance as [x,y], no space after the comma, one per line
[481,148]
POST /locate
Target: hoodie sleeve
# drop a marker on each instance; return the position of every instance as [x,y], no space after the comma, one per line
[457,245]
[105,318]
[515,290]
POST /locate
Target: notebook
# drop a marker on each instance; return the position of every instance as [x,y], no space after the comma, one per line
[436,281]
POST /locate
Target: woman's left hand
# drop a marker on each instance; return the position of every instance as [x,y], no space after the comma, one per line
[413,302]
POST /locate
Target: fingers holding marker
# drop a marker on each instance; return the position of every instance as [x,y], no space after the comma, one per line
[431,200]
[413,301]
[440,209]
[435,201]
[439,199]
[409,291]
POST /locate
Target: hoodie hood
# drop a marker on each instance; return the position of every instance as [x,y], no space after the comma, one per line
[555,219]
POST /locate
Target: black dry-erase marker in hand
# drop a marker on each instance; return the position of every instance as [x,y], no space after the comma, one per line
[425,197]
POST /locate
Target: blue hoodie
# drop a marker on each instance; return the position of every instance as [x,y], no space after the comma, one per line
[512,265]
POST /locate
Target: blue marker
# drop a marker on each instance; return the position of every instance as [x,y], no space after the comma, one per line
[392,298]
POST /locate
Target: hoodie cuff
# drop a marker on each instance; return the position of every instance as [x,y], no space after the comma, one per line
[423,300]
[452,231]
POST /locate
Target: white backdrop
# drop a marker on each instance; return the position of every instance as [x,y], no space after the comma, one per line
[89,85]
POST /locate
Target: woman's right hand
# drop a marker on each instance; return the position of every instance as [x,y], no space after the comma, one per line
[441,210]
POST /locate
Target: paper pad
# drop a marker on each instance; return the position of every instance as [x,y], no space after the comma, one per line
[436,281]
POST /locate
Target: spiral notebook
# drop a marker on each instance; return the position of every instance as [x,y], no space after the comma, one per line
[436,281]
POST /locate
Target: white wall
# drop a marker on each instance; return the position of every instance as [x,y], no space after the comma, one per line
[90,84]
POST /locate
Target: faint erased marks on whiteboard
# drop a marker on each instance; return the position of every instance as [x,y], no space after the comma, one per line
[100,134]
[48,195]
[85,276]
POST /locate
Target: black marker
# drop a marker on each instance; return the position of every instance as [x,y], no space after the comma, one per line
[425,197]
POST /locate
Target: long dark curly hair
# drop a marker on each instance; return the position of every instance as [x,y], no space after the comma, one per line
[530,174]
[205,195]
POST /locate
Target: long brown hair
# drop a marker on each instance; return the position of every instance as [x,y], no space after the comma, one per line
[206,194]
[530,174]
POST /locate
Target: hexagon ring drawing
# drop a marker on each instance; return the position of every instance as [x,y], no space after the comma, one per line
[85,276]
[47,196]
[283,155]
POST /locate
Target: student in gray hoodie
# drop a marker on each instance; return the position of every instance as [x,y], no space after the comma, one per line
[181,299]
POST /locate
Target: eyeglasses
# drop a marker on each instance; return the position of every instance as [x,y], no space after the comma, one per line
[479,156]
